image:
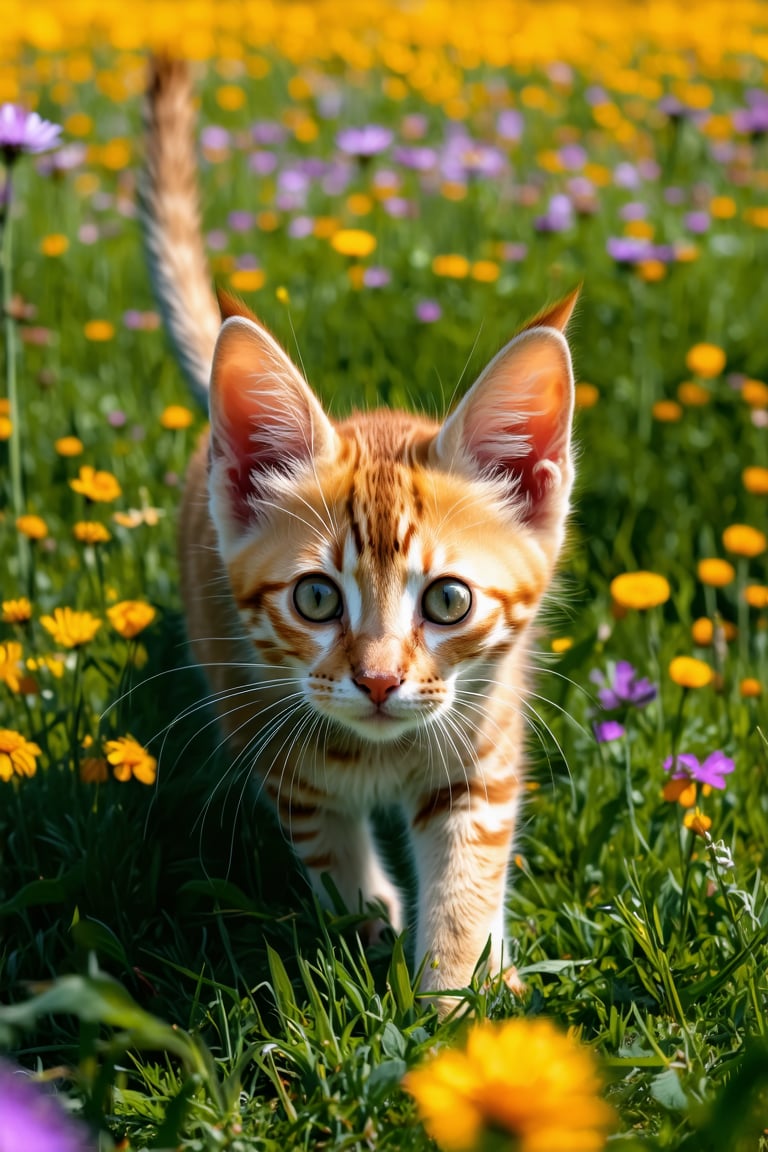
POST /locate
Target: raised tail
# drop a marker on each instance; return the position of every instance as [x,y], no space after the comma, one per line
[170,213]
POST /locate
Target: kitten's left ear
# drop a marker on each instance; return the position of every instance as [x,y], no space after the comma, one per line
[514,425]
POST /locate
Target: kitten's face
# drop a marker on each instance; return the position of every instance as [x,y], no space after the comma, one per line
[384,584]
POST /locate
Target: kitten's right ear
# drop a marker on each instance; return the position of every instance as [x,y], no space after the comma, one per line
[266,423]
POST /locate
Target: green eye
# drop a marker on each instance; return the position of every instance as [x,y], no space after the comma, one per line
[447,601]
[317,599]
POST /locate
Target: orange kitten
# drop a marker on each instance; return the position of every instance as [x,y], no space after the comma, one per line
[360,593]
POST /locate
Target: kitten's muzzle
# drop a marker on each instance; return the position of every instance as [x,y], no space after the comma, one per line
[378,686]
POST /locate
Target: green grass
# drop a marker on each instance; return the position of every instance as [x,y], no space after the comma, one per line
[195,992]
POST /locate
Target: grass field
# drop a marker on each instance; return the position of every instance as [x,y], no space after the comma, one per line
[161,960]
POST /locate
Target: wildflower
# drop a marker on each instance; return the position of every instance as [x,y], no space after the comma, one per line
[689,672]
[25,132]
[522,1078]
[176,416]
[130,617]
[55,244]
[717,573]
[17,758]
[353,242]
[711,771]
[756,595]
[10,665]
[99,331]
[744,540]
[71,629]
[755,480]
[451,265]
[625,688]
[702,631]
[694,395]
[586,396]
[640,590]
[6,428]
[749,687]
[364,142]
[33,527]
[247,279]
[50,664]
[16,611]
[91,532]
[93,770]
[705,360]
[755,393]
[697,823]
[608,730]
[680,790]
[128,758]
[69,446]
[31,1118]
[667,411]
[428,311]
[96,486]
[561,644]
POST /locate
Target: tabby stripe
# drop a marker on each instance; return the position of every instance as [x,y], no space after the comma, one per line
[254,598]
[495,792]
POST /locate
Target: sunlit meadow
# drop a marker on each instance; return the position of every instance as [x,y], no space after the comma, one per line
[394,188]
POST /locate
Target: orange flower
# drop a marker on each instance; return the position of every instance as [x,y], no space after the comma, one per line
[756,595]
[744,540]
[11,672]
[755,480]
[697,823]
[640,590]
[353,242]
[99,487]
[130,617]
[755,393]
[69,446]
[247,279]
[694,395]
[682,791]
[750,687]
[91,532]
[33,527]
[586,396]
[667,411]
[717,573]
[452,265]
[99,331]
[17,755]
[689,672]
[702,631]
[16,611]
[705,360]
[176,416]
[128,758]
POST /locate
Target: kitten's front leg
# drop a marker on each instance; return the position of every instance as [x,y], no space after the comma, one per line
[462,838]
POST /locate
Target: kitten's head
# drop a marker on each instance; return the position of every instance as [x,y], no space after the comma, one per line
[388,560]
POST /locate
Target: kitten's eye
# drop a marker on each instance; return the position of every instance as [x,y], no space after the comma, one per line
[317,599]
[447,601]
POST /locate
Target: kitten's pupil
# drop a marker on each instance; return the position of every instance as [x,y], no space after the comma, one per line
[446,601]
[317,599]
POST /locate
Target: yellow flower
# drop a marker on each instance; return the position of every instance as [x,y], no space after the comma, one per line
[756,595]
[667,411]
[6,427]
[722,207]
[247,279]
[705,360]
[176,416]
[128,758]
[755,480]
[692,394]
[71,629]
[93,770]
[586,395]
[750,687]
[485,271]
[744,540]
[10,665]
[689,672]
[353,242]
[451,265]
[51,664]
[99,331]
[16,611]
[697,822]
[561,644]
[640,590]
[702,631]
[521,1077]
[130,617]
[717,573]
[17,755]
[55,244]
[755,393]
[91,532]
[96,486]
[69,446]
[681,791]
[33,527]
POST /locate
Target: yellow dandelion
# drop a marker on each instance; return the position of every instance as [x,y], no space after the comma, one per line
[353,242]
[750,687]
[282,294]
[451,265]
[586,395]
[71,629]
[522,1078]
[247,279]
[17,755]
[130,617]
[6,427]
[33,527]
[640,590]
[723,207]
[755,393]
[485,271]
[16,611]
[689,672]
[561,644]
[705,360]
[756,595]
[93,770]
[697,823]
[667,411]
[55,244]
[69,446]
[99,487]
[99,331]
[744,540]
[230,97]
[702,631]
[130,759]
[11,668]
[91,532]
[716,573]
[176,416]
[755,480]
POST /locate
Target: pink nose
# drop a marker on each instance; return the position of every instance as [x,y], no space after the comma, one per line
[378,685]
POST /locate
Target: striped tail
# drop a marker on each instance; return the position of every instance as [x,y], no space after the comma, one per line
[170,213]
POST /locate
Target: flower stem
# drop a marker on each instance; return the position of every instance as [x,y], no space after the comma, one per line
[14,444]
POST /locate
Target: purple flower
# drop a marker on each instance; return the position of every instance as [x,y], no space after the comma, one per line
[240,220]
[626,688]
[68,158]
[558,217]
[627,249]
[428,311]
[418,158]
[364,142]
[509,124]
[607,730]
[376,277]
[31,1119]
[711,771]
[215,138]
[697,221]
[25,132]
